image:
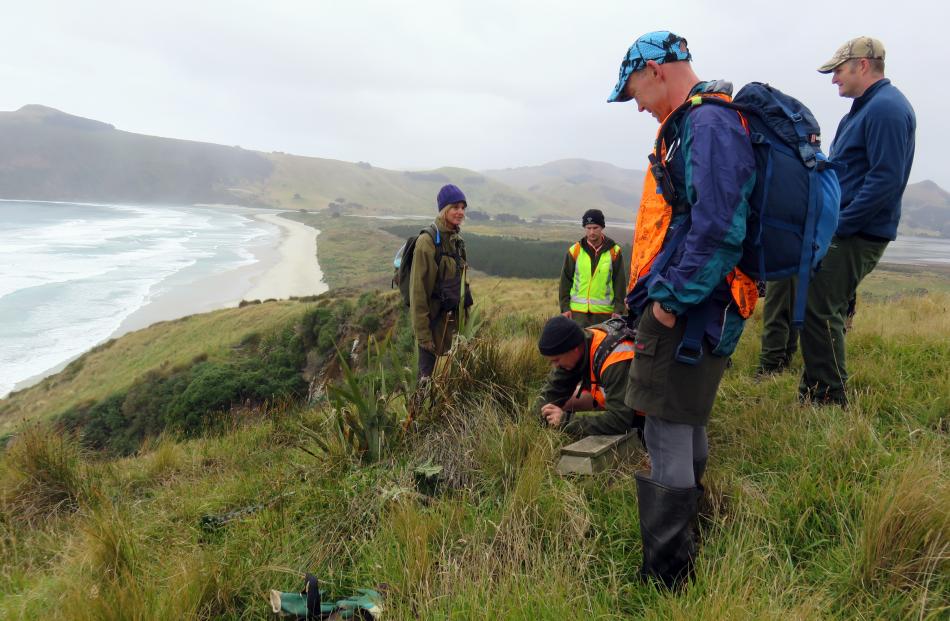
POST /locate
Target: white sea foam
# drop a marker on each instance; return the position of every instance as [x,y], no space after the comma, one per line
[71,273]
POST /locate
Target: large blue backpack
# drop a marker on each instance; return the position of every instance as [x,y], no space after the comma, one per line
[796,199]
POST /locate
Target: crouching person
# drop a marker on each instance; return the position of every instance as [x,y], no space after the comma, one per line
[590,370]
[439,280]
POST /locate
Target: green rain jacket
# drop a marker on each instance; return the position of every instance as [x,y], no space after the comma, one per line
[429,322]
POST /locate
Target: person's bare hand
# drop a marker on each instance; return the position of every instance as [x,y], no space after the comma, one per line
[665,318]
[568,314]
[553,414]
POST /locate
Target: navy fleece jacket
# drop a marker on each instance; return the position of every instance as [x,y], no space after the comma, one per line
[875,140]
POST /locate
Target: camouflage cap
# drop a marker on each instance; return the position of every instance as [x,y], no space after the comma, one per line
[859,47]
[661,46]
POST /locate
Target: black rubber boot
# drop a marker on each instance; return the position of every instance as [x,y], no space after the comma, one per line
[667,528]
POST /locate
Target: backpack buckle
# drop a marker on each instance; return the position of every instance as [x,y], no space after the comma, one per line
[808,155]
[689,352]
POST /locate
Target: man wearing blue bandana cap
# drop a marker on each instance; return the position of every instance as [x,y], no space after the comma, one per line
[684,292]
[660,46]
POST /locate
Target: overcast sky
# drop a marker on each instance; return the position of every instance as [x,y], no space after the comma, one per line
[481,84]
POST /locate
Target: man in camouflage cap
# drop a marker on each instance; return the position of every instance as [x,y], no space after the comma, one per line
[779,338]
[875,145]
[860,47]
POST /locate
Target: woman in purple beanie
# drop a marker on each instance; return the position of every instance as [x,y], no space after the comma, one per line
[439,290]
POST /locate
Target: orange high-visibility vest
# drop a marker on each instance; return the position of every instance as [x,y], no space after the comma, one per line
[653,220]
[623,350]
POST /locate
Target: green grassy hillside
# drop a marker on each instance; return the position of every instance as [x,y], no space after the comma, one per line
[925,210]
[810,513]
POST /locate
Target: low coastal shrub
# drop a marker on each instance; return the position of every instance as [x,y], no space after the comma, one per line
[266,368]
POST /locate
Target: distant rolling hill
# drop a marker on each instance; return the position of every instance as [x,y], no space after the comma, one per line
[315,183]
[46,154]
[576,185]
[616,191]
[925,210]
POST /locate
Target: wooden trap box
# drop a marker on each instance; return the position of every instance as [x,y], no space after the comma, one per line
[596,453]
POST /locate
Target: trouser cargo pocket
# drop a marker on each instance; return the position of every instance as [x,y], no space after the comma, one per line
[652,357]
[662,387]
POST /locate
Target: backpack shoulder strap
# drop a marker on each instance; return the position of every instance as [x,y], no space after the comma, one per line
[436,236]
[658,158]
[685,107]
[617,331]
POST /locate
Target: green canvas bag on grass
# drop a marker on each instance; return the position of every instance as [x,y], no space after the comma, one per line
[308,604]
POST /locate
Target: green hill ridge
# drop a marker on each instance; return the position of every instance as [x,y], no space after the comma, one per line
[47,154]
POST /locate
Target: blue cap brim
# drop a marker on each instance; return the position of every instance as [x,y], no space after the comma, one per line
[617,95]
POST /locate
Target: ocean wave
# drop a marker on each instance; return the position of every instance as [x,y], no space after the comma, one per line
[69,279]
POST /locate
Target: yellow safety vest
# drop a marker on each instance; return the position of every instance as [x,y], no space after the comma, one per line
[593,292]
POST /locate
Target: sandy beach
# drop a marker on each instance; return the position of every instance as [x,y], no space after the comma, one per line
[289,269]
[296,271]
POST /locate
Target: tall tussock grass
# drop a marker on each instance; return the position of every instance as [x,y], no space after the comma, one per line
[905,535]
[42,474]
[509,370]
[532,526]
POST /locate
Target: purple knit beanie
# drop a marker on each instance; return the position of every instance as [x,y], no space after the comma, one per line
[450,194]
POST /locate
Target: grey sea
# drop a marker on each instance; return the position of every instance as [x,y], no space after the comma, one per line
[71,273]
[918,251]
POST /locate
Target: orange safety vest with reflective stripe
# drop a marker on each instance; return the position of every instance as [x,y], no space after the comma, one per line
[592,290]
[653,220]
[623,350]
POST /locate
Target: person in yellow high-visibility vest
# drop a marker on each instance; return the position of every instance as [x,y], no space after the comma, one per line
[592,279]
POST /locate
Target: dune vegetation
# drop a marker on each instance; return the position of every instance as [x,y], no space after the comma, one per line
[448,495]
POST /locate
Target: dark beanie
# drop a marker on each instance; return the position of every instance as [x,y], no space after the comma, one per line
[559,336]
[593,216]
[450,194]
